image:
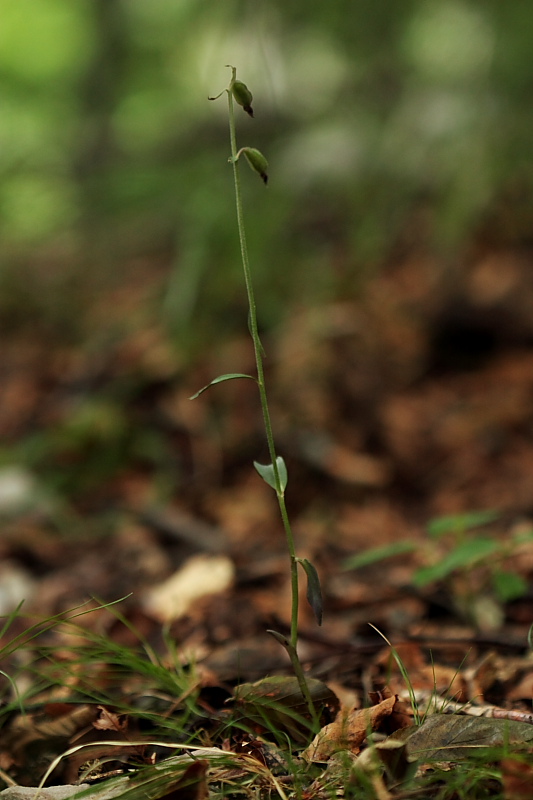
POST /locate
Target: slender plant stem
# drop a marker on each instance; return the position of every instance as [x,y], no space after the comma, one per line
[290,645]
[258,352]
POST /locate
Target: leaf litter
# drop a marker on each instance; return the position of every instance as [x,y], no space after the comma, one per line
[385,429]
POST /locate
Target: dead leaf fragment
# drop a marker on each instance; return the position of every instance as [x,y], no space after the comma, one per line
[517,779]
[348,731]
[109,721]
[456,737]
[277,703]
[200,576]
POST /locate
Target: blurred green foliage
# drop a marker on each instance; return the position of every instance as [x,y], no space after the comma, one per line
[379,120]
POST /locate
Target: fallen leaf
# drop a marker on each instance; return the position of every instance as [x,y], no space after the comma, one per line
[348,731]
[109,721]
[200,576]
[277,703]
[517,779]
[456,737]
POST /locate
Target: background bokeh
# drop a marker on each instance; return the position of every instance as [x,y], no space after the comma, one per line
[387,125]
[390,244]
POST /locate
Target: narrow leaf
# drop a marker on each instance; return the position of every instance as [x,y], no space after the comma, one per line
[458,523]
[378,554]
[230,376]
[314,592]
[269,476]
[283,641]
[470,552]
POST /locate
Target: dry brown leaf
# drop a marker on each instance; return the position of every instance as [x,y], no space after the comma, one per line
[277,702]
[524,688]
[200,576]
[517,779]
[348,731]
[109,721]
[25,729]
[456,737]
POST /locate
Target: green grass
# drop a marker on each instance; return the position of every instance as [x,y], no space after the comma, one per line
[251,747]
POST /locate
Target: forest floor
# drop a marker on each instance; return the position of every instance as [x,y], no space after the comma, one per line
[405,417]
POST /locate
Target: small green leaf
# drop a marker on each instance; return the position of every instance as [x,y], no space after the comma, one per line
[466,554]
[314,592]
[230,376]
[378,554]
[508,585]
[458,523]
[269,476]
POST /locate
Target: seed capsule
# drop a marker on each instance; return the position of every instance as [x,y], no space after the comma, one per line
[257,161]
[243,96]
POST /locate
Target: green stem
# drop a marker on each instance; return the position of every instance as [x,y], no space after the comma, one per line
[300,677]
[290,645]
[258,352]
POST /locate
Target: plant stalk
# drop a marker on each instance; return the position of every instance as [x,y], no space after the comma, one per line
[291,645]
[258,352]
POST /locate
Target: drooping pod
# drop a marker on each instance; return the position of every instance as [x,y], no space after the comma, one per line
[256,160]
[243,96]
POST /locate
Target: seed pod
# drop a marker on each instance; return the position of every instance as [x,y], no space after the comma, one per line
[243,96]
[257,161]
